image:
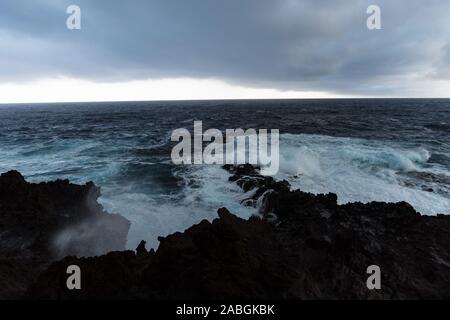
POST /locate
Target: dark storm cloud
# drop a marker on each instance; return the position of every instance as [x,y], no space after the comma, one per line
[285,44]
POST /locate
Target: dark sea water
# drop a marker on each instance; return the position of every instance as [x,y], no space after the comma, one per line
[363,150]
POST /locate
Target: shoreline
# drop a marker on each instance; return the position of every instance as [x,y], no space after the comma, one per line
[303,246]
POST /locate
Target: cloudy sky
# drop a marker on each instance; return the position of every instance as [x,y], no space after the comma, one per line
[200,49]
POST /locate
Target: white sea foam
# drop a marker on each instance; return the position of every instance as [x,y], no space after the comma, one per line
[357,170]
[204,190]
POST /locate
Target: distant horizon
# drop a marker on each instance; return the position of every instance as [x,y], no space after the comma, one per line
[227,99]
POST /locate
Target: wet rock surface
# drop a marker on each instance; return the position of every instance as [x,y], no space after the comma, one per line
[299,246]
[43,222]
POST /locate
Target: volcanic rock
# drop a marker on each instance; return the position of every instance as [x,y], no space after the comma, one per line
[43,222]
[314,249]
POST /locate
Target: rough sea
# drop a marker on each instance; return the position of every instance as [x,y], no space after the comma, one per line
[362,150]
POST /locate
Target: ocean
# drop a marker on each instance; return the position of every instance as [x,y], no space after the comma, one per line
[361,149]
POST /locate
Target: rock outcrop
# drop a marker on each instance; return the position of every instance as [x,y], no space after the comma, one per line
[43,222]
[298,246]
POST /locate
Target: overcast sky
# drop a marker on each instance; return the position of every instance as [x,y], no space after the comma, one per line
[181,49]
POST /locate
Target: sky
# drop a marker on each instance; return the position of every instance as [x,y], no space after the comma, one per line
[222,49]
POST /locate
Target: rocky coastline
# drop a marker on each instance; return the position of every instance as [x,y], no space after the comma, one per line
[298,246]
[41,223]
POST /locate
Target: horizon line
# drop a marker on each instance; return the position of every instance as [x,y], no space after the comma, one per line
[226,99]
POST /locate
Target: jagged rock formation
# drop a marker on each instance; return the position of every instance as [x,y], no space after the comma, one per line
[304,246]
[42,222]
